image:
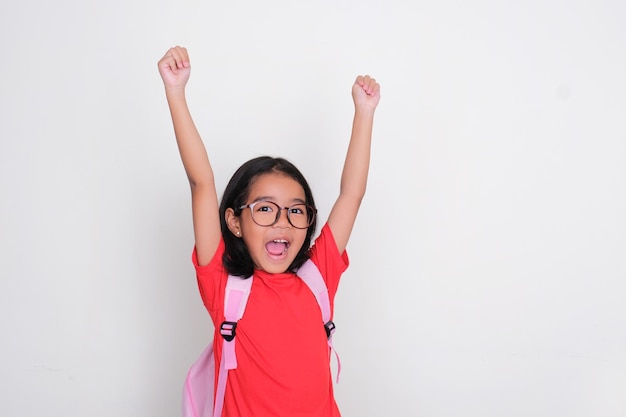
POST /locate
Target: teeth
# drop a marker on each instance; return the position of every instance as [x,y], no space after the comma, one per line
[284,242]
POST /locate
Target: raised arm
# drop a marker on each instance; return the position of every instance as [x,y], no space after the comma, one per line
[175,69]
[366,94]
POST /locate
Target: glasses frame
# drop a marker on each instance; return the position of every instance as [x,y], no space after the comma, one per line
[309,208]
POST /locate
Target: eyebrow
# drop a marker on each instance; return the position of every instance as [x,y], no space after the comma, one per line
[271,199]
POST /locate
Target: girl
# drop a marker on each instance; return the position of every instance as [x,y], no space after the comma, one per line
[264,226]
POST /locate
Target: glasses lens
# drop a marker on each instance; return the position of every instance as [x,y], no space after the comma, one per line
[300,216]
[264,213]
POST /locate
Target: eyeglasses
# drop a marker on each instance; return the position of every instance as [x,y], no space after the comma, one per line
[267,213]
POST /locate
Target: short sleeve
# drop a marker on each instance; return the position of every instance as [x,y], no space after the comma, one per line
[211,281]
[329,261]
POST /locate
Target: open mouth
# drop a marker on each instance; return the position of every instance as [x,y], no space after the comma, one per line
[277,247]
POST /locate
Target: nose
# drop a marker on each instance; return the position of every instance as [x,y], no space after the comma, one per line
[283,221]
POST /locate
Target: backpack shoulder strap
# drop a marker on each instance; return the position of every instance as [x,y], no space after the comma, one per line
[312,277]
[235,300]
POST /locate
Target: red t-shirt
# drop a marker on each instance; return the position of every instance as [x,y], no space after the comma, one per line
[282,352]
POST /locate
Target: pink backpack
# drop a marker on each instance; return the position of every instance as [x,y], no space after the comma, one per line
[199,384]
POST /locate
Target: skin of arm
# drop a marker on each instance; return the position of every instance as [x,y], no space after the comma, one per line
[366,95]
[175,69]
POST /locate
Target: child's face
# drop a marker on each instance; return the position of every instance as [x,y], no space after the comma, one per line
[273,248]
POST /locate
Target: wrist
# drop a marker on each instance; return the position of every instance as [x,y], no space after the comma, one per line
[175,91]
[365,112]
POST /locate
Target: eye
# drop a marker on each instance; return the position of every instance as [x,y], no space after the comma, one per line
[297,209]
[265,207]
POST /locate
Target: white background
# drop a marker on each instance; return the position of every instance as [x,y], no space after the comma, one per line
[488,260]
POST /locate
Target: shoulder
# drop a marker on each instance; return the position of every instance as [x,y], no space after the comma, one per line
[211,279]
[326,257]
[325,248]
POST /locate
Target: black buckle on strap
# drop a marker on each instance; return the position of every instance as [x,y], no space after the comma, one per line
[227,330]
[330,328]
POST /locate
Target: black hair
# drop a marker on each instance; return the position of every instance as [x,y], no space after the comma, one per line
[236,258]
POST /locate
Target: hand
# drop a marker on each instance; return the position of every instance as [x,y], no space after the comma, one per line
[175,68]
[365,93]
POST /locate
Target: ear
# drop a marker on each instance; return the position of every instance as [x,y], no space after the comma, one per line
[232,222]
